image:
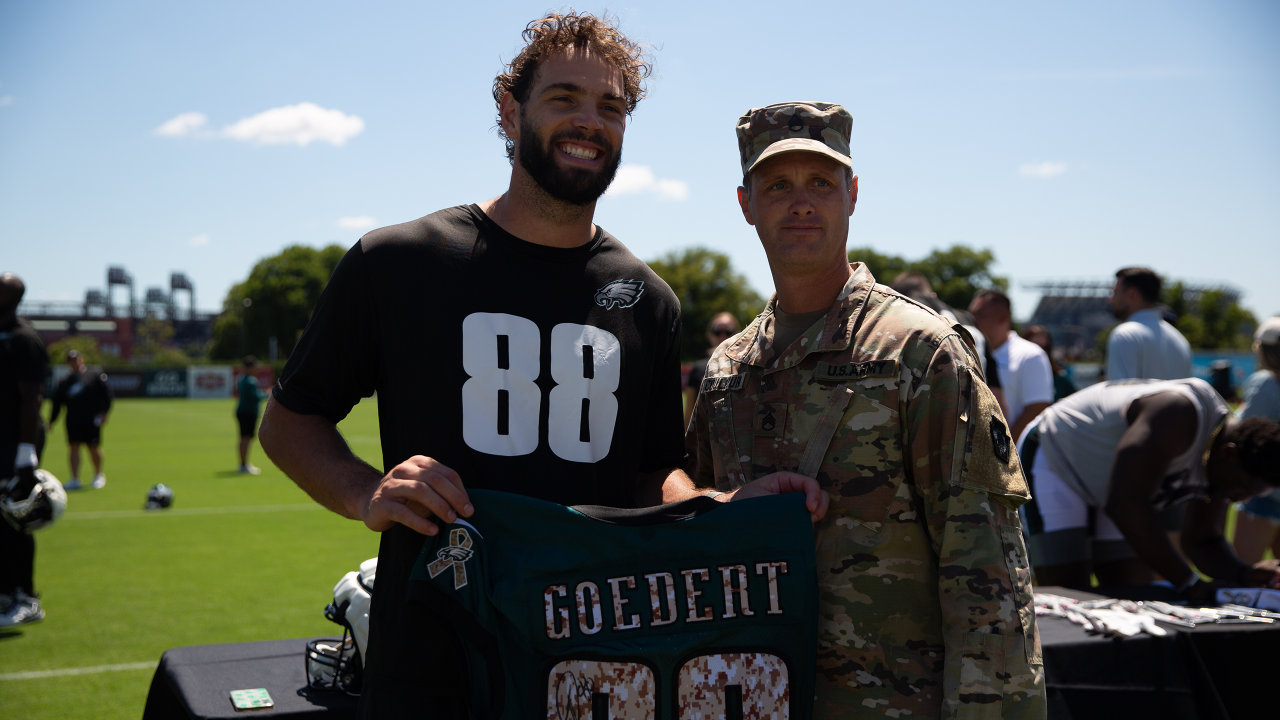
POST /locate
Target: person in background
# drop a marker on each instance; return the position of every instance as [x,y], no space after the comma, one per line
[722,327]
[23,365]
[251,397]
[88,399]
[1062,385]
[1025,372]
[1144,345]
[1258,523]
[1106,461]
[917,287]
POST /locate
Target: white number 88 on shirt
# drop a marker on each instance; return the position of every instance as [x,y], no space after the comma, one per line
[501,401]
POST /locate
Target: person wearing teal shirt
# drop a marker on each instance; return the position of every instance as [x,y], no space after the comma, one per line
[251,397]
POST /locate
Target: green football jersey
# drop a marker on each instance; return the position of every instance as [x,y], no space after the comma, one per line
[698,609]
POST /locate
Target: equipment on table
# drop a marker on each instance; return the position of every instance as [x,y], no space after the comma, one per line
[159,497]
[1127,618]
[40,508]
[337,663]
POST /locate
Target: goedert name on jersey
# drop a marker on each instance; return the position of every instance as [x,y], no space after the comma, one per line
[647,601]
[596,616]
[692,641]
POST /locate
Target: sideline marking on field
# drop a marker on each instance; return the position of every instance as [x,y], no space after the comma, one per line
[37,674]
[103,514]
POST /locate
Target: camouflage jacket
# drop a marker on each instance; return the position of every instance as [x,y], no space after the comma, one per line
[926,602]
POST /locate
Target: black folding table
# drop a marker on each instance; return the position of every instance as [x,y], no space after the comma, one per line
[195,682]
[1211,672]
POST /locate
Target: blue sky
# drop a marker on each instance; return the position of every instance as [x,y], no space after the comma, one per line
[1070,138]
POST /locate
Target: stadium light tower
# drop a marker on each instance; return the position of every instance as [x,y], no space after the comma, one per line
[116,275]
[157,296]
[95,298]
[179,281]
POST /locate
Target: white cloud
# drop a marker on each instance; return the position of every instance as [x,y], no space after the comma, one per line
[299,124]
[1042,170]
[357,222]
[637,179]
[199,240]
[185,124]
[6,100]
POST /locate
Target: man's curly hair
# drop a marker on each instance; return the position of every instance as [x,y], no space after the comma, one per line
[555,32]
[1258,447]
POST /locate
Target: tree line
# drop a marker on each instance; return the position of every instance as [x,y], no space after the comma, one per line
[284,288]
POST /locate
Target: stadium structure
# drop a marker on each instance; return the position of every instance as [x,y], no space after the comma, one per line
[114,324]
[1076,311]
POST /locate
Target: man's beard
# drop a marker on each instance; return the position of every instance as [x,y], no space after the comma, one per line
[574,186]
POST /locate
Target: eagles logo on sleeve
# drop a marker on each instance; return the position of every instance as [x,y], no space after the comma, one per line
[620,294]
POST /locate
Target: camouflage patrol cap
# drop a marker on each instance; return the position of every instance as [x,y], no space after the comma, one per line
[791,126]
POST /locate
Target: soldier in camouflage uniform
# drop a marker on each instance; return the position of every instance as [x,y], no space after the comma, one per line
[926,596]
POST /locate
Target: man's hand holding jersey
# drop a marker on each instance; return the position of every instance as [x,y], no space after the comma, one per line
[414,490]
[309,449]
[815,498]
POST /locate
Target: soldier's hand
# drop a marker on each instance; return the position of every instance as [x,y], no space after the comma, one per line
[815,498]
[415,490]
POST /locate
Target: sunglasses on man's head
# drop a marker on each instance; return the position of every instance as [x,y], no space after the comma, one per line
[722,331]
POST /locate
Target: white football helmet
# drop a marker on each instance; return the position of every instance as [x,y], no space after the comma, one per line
[40,508]
[334,664]
[338,663]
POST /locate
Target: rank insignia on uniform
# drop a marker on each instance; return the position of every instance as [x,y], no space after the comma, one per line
[856,371]
[723,384]
[999,440]
[620,294]
[456,556]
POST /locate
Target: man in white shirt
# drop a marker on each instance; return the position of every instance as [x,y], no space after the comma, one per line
[1143,346]
[1025,372]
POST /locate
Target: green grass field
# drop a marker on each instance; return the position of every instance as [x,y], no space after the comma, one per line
[237,558]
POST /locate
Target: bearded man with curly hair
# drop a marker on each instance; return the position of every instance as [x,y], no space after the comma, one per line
[514,346]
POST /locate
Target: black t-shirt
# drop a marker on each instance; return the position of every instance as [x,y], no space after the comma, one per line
[22,359]
[86,396]
[548,372]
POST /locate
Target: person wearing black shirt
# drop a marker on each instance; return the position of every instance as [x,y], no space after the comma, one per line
[513,346]
[23,366]
[88,399]
[722,327]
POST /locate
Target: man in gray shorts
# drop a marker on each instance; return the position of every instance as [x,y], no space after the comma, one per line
[1105,461]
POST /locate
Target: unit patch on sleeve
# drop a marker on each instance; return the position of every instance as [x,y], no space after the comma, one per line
[857,371]
[999,440]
